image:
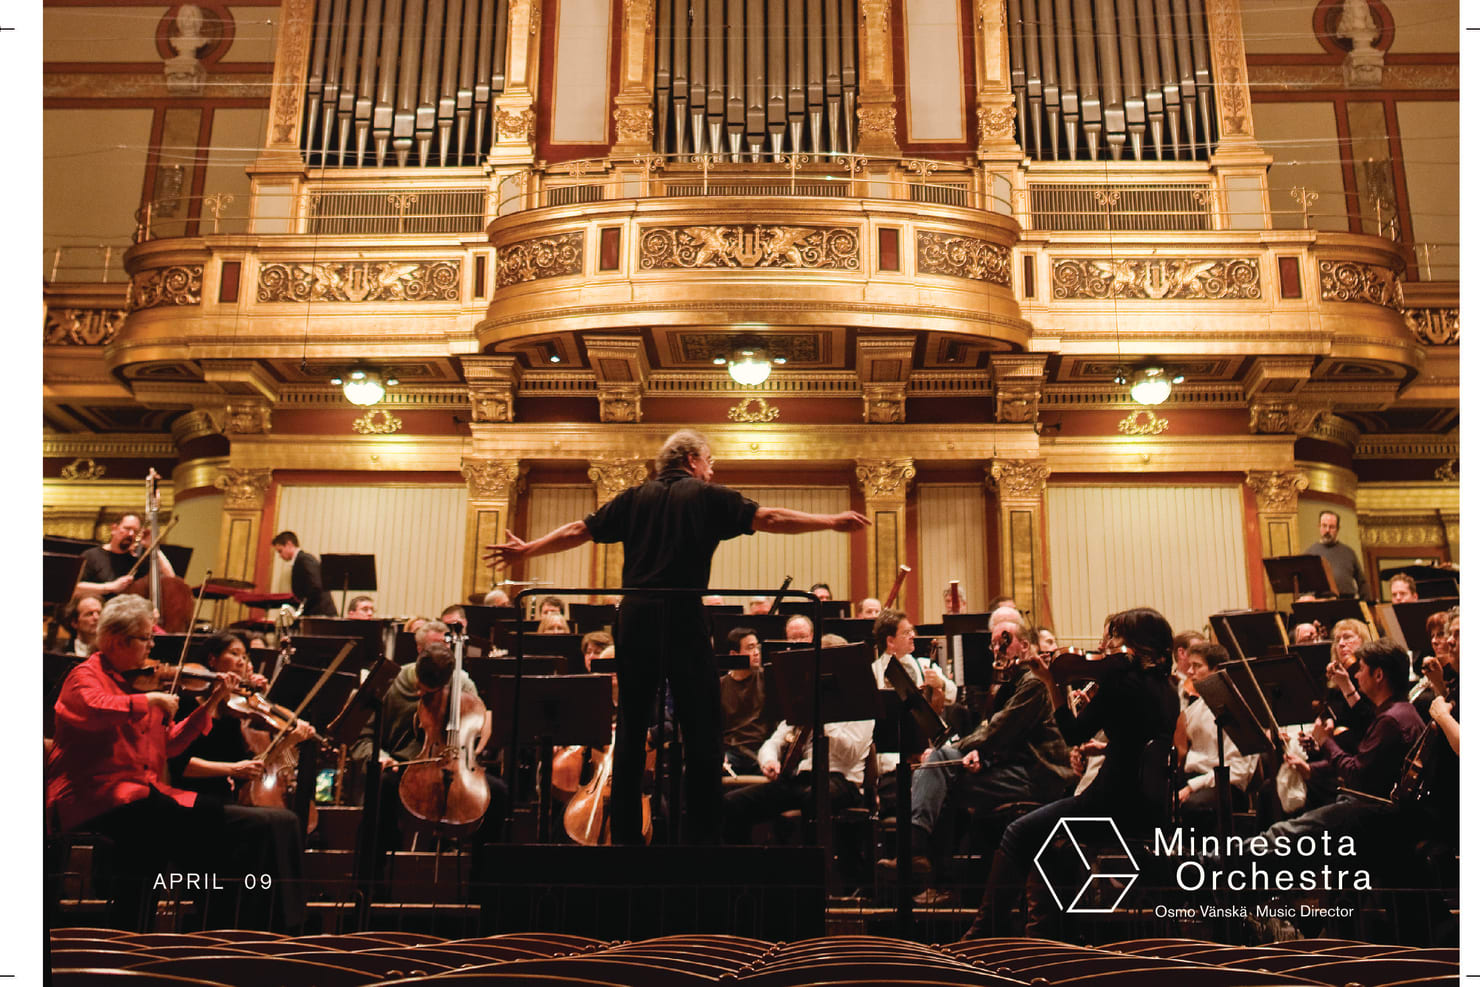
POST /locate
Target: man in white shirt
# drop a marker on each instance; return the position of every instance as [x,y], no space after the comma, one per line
[1199,797]
[894,636]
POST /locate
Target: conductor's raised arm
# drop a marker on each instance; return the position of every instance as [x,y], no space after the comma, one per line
[517,549]
[785,521]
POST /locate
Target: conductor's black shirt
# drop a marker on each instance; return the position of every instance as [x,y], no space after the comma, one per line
[669,528]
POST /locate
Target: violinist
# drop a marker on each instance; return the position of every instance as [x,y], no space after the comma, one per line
[1182,664]
[107,770]
[106,569]
[1352,709]
[81,619]
[894,636]
[1137,708]
[1198,797]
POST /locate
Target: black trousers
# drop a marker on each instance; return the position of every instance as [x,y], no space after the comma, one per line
[744,807]
[255,854]
[658,639]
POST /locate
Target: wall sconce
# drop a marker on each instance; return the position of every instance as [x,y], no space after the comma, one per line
[749,363]
[364,387]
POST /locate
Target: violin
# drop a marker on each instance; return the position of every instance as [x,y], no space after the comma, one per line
[157,676]
[1075,665]
[444,791]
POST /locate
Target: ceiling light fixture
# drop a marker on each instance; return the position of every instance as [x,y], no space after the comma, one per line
[750,364]
[365,387]
[1151,384]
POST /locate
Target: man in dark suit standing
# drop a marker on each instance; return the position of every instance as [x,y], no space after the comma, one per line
[308,580]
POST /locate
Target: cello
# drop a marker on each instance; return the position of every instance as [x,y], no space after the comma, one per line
[587,816]
[444,791]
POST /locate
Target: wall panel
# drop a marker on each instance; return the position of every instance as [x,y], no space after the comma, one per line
[1178,549]
[953,544]
[762,560]
[415,533]
[550,506]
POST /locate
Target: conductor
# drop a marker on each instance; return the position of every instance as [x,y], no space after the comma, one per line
[669,528]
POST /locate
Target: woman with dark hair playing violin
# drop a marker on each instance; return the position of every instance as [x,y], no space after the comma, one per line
[1136,706]
[107,771]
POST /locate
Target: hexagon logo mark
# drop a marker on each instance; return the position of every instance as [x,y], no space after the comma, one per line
[1096,866]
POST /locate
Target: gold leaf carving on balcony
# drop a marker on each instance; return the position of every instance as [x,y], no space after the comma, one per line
[1019,479]
[361,281]
[245,489]
[1435,326]
[883,404]
[250,418]
[1209,279]
[1142,422]
[1353,281]
[492,404]
[82,326]
[377,421]
[806,247]
[515,125]
[885,478]
[995,121]
[83,469]
[1398,532]
[634,123]
[492,479]
[1448,472]
[1276,491]
[876,121]
[178,285]
[1017,404]
[751,411]
[620,404]
[1283,417]
[961,257]
[543,257]
[612,476]
[292,49]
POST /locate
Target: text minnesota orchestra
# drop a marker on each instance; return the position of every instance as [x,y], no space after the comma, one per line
[1234,863]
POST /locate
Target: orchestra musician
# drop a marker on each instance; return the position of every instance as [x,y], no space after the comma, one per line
[1137,708]
[81,618]
[106,568]
[361,608]
[742,696]
[894,636]
[868,607]
[1198,743]
[308,577]
[670,527]
[107,771]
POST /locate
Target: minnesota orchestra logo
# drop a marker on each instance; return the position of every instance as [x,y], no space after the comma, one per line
[1091,869]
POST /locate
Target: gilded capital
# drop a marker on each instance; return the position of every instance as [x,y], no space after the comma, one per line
[493,479]
[245,489]
[1019,479]
[1276,491]
[247,418]
[612,476]
[492,404]
[1281,416]
[885,478]
[620,404]
[883,404]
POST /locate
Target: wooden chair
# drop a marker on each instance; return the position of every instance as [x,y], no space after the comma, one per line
[1363,949]
[149,939]
[465,978]
[1067,967]
[86,932]
[245,935]
[1137,945]
[1374,971]
[1171,949]
[873,970]
[277,947]
[212,949]
[1315,945]
[1181,976]
[277,970]
[400,938]
[381,966]
[447,956]
[604,967]
[127,978]
[1450,953]
[110,945]
[120,959]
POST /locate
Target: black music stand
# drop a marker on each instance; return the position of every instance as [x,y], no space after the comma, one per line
[1315,657]
[482,669]
[318,652]
[58,545]
[826,609]
[179,556]
[167,648]
[921,727]
[850,629]
[1232,714]
[348,572]
[925,634]
[294,681]
[59,575]
[1328,612]
[1284,683]
[361,711]
[553,709]
[606,666]
[55,667]
[567,646]
[1410,623]
[588,617]
[1428,580]
[370,634]
[977,660]
[1299,574]
[1250,633]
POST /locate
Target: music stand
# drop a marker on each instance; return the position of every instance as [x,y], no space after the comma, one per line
[318,652]
[850,629]
[1411,621]
[924,635]
[370,634]
[59,575]
[931,726]
[179,556]
[977,660]
[362,704]
[826,609]
[1328,612]
[766,626]
[1428,580]
[349,572]
[481,669]
[1250,633]
[606,666]
[1284,683]
[167,648]
[58,545]
[588,617]
[1315,657]
[567,646]
[1299,574]
[1234,717]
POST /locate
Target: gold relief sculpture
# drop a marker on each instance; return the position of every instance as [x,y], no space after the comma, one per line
[1017,404]
[377,421]
[291,56]
[1227,36]
[492,479]
[639,10]
[1221,278]
[805,247]
[612,476]
[1282,417]
[883,404]
[1377,532]
[1435,326]
[1448,472]
[251,418]
[83,469]
[1142,422]
[245,489]
[491,405]
[179,285]
[961,257]
[995,121]
[82,326]
[361,281]
[543,257]
[885,478]
[1353,281]
[515,125]
[1019,479]
[1276,491]
[634,123]
[751,411]
[622,405]
[876,121]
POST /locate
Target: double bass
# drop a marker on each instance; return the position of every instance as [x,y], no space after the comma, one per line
[444,791]
[171,594]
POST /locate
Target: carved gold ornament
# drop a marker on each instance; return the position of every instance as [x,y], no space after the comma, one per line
[995,121]
[1435,326]
[1448,472]
[542,257]
[245,489]
[1019,479]
[361,281]
[1281,417]
[178,285]
[1276,491]
[1353,281]
[612,476]
[876,121]
[247,419]
[883,404]
[961,257]
[83,469]
[1227,36]
[762,412]
[291,57]
[492,479]
[635,123]
[515,125]
[377,421]
[1017,404]
[620,404]
[803,247]
[885,478]
[1142,422]
[82,326]
[492,405]
[1155,279]
[1398,532]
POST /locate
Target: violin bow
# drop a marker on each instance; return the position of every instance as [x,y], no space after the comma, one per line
[185,648]
[153,545]
[324,677]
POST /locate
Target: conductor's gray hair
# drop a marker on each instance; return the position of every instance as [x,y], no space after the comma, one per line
[122,614]
[679,446]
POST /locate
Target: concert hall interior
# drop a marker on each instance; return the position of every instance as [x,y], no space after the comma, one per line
[1046,394]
